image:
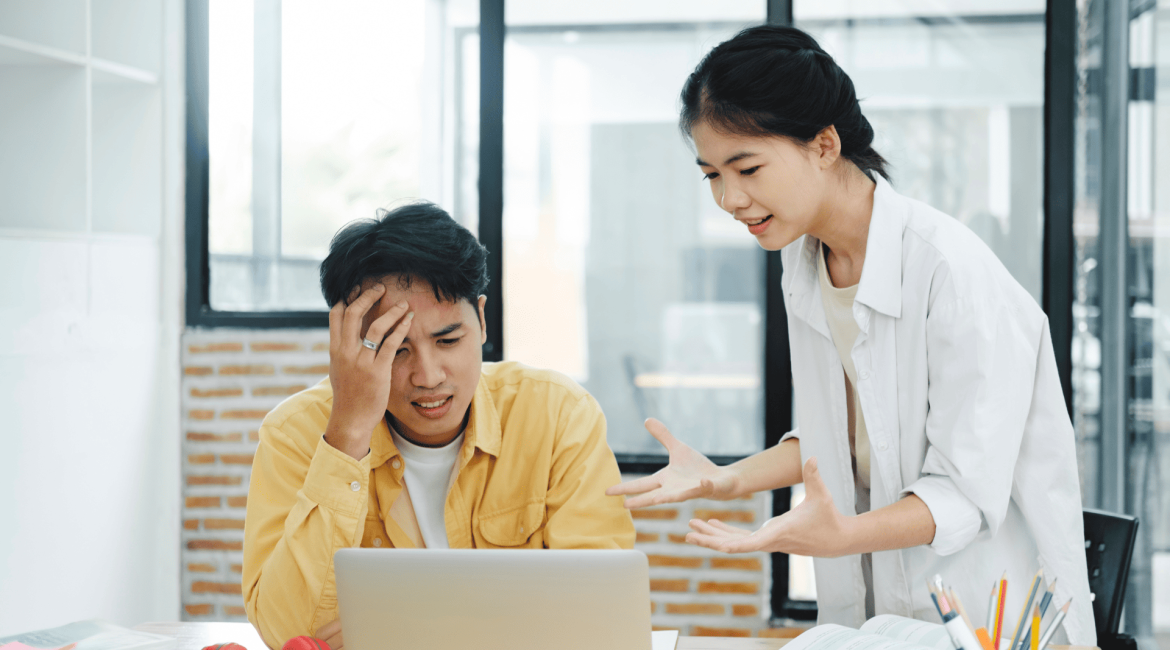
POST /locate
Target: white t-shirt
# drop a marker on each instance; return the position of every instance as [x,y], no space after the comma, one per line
[427,474]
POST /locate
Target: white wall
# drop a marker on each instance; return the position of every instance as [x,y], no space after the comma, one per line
[89,395]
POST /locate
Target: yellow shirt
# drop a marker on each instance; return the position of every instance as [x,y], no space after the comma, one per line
[532,473]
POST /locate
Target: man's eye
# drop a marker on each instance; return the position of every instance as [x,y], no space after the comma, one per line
[749,171]
[399,351]
[449,342]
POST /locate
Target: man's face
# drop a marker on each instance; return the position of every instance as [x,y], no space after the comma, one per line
[436,369]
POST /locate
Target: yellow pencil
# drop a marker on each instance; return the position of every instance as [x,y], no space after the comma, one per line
[1035,627]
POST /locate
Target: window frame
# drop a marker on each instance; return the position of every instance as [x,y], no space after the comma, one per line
[1057,244]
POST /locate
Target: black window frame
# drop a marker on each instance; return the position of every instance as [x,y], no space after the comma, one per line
[1057,246]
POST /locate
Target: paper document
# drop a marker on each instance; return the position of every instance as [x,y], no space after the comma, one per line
[660,640]
[886,632]
[87,635]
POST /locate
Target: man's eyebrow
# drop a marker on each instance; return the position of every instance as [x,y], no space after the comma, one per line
[736,158]
[447,330]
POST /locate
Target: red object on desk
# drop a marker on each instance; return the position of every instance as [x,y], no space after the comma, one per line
[225,646]
[305,643]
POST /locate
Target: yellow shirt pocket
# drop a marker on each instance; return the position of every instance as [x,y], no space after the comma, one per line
[518,527]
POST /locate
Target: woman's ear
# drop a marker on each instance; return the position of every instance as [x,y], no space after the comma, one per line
[827,145]
[482,321]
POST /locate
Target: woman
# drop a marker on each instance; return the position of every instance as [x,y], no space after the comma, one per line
[933,436]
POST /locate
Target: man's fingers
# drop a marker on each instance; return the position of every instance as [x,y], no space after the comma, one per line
[383,323]
[636,486]
[389,345]
[351,327]
[335,317]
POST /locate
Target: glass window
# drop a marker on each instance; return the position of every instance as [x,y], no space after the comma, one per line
[619,269]
[321,113]
[955,93]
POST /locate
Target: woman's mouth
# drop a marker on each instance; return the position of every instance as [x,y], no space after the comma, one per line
[433,409]
[759,225]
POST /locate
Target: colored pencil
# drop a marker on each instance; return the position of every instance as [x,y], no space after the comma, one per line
[1054,625]
[954,598]
[1043,608]
[1018,636]
[998,629]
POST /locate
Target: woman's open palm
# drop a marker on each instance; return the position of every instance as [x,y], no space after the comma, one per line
[688,475]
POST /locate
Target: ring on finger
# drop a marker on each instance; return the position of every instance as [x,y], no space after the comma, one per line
[370,344]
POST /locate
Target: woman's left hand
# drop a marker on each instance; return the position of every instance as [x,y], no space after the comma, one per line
[815,528]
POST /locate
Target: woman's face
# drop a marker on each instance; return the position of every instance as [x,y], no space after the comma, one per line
[770,184]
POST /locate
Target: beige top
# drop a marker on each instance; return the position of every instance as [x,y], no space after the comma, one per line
[843,326]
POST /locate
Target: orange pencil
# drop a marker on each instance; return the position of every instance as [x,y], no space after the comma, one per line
[999,612]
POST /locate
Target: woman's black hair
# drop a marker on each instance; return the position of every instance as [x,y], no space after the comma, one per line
[417,241]
[777,81]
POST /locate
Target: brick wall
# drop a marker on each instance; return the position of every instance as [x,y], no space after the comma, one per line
[232,378]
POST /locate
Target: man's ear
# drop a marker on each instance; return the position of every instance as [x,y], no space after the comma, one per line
[482,321]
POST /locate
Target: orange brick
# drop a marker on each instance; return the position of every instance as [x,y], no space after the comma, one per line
[213,480]
[223,524]
[318,369]
[274,346]
[781,632]
[254,435]
[745,610]
[236,459]
[656,513]
[201,502]
[190,524]
[695,608]
[237,502]
[670,585]
[201,459]
[217,392]
[214,545]
[744,563]
[740,516]
[677,539]
[660,628]
[729,587]
[653,607]
[201,568]
[238,568]
[204,587]
[201,414]
[243,414]
[215,347]
[322,346]
[646,537]
[250,369]
[202,609]
[234,610]
[281,391]
[701,630]
[198,371]
[200,436]
[674,560]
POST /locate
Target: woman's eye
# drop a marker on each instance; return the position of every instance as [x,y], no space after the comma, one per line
[710,177]
[749,171]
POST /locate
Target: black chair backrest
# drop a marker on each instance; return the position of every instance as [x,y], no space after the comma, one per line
[1109,540]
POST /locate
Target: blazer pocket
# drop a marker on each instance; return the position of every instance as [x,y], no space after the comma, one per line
[512,527]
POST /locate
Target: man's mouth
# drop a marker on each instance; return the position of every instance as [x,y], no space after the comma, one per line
[433,407]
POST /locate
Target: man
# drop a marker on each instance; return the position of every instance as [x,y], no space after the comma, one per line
[412,441]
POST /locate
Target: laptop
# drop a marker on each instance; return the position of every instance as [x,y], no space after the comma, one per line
[416,599]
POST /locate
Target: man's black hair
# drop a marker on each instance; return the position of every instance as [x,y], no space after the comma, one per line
[417,241]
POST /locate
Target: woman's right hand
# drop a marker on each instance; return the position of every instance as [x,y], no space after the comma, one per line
[688,475]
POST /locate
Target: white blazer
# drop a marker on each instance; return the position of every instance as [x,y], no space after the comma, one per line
[959,388]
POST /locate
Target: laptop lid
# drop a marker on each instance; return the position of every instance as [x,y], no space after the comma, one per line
[416,599]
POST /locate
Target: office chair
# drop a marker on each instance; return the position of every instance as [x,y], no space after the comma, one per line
[1109,540]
